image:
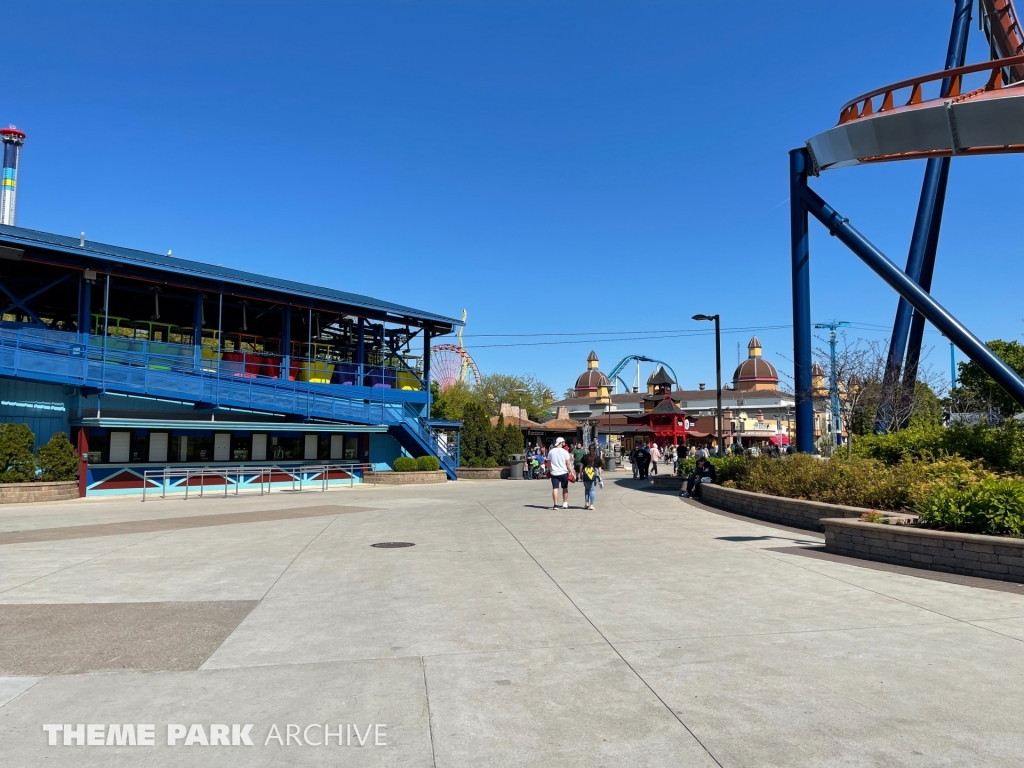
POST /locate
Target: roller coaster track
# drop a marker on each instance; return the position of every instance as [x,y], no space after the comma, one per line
[619,366]
[986,120]
[1005,39]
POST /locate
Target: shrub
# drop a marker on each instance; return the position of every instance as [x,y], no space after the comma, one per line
[727,468]
[857,481]
[427,464]
[57,459]
[404,464]
[994,506]
[873,517]
[474,463]
[1000,448]
[490,462]
[17,462]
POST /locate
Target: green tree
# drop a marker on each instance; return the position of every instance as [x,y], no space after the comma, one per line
[976,390]
[498,388]
[57,459]
[476,432]
[512,442]
[451,403]
[927,408]
[17,462]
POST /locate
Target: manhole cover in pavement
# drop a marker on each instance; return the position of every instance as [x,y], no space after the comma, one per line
[393,544]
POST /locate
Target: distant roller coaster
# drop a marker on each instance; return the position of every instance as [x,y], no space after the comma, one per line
[614,378]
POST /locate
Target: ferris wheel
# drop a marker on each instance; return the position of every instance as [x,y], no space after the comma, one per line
[450,363]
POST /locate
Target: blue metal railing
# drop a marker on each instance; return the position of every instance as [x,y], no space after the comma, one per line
[173,371]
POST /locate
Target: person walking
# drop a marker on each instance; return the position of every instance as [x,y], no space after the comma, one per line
[591,476]
[634,461]
[655,457]
[559,463]
[644,460]
[577,458]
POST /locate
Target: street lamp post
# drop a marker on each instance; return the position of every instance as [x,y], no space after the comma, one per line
[718,370]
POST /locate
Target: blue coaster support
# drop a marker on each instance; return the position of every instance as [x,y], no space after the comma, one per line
[908,327]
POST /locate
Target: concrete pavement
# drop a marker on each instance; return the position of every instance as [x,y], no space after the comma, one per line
[648,632]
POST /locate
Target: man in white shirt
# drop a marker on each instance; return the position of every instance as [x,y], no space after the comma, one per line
[655,458]
[559,461]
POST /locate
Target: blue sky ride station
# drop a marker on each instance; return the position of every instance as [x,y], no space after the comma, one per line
[153,364]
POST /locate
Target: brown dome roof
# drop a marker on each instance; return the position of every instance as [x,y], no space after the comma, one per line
[591,379]
[755,369]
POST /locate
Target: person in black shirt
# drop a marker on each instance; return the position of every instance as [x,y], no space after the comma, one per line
[705,469]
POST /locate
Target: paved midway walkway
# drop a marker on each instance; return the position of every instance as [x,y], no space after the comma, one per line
[649,632]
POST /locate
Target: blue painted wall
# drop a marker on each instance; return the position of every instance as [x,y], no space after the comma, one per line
[43,407]
[384,449]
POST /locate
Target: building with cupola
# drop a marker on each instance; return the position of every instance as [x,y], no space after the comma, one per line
[755,374]
[592,384]
[755,410]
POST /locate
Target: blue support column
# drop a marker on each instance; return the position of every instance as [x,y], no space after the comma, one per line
[426,368]
[920,299]
[798,163]
[197,327]
[84,310]
[923,244]
[361,351]
[286,341]
[916,335]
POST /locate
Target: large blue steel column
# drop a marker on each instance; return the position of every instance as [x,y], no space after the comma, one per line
[921,257]
[801,300]
[920,299]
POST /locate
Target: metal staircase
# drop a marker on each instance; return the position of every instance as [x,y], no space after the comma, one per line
[175,372]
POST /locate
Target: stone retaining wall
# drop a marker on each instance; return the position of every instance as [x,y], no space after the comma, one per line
[406,478]
[967,554]
[776,509]
[483,473]
[21,493]
[668,482]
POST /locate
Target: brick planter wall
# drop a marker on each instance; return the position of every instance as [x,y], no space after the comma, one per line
[21,493]
[967,554]
[483,473]
[668,482]
[406,478]
[776,509]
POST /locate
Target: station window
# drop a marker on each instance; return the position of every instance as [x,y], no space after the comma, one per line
[99,448]
[287,448]
[241,447]
[200,448]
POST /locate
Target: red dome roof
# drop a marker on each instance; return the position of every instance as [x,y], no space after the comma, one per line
[756,369]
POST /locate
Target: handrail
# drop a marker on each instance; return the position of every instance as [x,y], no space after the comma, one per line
[851,111]
[265,474]
[32,351]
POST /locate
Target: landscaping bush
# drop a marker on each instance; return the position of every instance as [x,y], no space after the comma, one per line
[994,506]
[17,462]
[404,464]
[858,482]
[427,464]
[727,468]
[57,459]
[490,462]
[1000,448]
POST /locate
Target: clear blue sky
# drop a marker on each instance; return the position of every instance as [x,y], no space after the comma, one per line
[551,167]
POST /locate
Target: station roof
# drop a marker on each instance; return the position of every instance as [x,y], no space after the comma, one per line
[22,238]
